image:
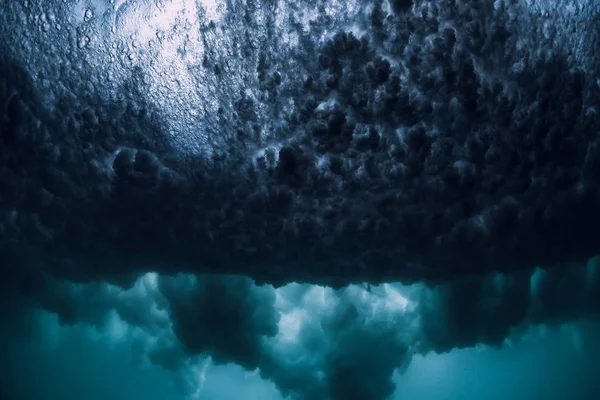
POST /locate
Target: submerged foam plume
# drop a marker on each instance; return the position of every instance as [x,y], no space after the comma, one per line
[315,342]
[173,174]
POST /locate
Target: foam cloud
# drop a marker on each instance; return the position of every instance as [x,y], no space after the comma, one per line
[313,341]
[448,146]
[440,141]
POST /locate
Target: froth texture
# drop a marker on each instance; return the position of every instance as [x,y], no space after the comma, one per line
[423,142]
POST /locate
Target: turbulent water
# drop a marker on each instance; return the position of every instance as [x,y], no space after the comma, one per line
[451,143]
[331,142]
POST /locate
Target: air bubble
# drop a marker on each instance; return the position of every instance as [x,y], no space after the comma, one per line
[83,42]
